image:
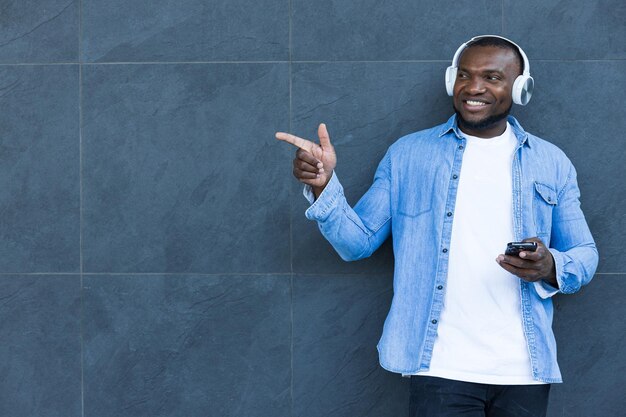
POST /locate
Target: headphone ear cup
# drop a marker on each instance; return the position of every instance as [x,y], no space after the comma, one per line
[450,79]
[522,89]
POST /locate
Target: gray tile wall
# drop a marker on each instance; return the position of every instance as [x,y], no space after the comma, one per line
[154,256]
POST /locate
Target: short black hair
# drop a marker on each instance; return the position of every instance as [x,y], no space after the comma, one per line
[499,43]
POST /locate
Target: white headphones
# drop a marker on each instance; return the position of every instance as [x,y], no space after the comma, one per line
[522,87]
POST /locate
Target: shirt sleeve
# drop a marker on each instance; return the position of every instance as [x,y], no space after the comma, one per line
[544,289]
[326,201]
[357,232]
[572,246]
[307,192]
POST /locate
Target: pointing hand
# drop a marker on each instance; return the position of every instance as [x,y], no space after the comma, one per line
[313,164]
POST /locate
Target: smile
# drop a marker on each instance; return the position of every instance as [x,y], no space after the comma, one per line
[475,103]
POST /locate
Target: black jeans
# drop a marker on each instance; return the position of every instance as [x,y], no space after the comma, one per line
[438,397]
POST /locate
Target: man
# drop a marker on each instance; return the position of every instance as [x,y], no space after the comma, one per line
[469,324]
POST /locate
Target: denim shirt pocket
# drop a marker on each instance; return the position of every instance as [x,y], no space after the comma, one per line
[544,202]
[414,204]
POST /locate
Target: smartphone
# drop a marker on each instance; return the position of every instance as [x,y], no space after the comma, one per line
[514,248]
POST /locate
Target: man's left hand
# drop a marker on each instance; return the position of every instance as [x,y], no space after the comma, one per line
[531,266]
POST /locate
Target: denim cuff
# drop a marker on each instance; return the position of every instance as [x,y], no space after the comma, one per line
[321,208]
[545,290]
[558,266]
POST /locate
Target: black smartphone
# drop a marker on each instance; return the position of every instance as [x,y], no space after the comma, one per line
[514,248]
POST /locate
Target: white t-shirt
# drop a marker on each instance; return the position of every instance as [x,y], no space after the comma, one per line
[480,336]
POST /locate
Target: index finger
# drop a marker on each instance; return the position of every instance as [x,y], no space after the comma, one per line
[304,144]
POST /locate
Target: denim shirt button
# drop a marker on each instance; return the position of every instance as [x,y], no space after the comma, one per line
[445,250]
[455,176]
[460,146]
[449,214]
[434,321]
[440,287]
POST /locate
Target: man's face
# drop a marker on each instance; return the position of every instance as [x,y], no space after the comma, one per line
[482,91]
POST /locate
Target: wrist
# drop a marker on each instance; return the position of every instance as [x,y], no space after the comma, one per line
[317,190]
[551,279]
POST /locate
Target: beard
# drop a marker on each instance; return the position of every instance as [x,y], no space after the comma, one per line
[485,123]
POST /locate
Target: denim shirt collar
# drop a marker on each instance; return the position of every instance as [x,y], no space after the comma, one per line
[520,134]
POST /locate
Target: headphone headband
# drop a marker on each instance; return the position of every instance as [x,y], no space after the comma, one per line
[522,86]
[459,51]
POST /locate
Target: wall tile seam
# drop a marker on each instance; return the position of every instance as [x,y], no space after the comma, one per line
[576,60]
[82,343]
[198,274]
[146,274]
[81,218]
[80,136]
[338,61]
[390,274]
[291,217]
[502,17]
[39,273]
[407,61]
[290,127]
[218,274]
[25,64]
[37,64]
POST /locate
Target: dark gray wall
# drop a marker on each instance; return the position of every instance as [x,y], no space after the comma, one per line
[154,256]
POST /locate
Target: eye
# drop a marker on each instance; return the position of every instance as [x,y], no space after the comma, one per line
[494,77]
[462,75]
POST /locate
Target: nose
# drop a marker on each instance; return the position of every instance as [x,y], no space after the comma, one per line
[475,85]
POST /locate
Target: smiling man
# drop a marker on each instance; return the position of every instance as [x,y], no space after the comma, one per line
[470,323]
[482,91]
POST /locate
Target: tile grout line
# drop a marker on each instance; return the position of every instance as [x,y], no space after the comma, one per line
[80,176]
[216,274]
[150,273]
[339,61]
[290,196]
[502,18]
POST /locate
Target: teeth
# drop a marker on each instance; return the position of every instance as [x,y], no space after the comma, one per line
[475,103]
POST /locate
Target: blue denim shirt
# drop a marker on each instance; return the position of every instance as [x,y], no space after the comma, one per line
[414,187]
